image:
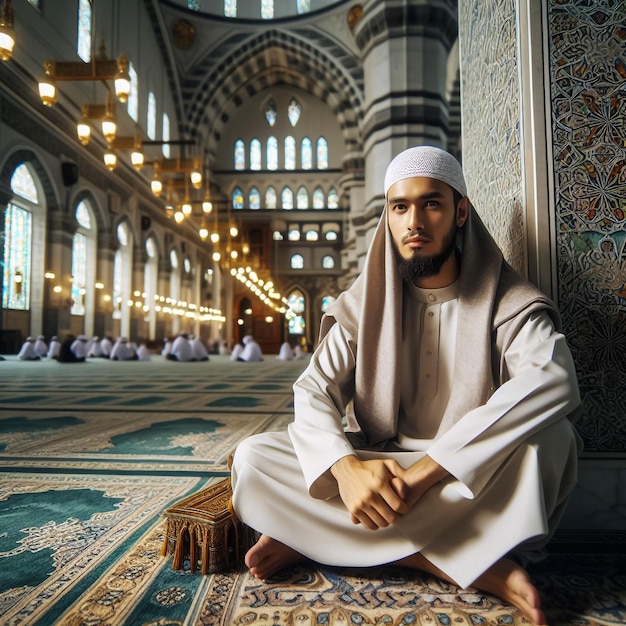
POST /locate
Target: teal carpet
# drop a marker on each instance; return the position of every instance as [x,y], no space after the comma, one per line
[91,454]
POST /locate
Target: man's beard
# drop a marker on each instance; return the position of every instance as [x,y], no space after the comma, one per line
[419,267]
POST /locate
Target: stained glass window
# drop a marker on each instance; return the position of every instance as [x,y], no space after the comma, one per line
[287,198]
[150,248]
[133,96]
[173,259]
[270,198]
[23,185]
[165,134]
[255,154]
[194,5]
[326,301]
[82,215]
[295,302]
[293,234]
[322,154]
[17,246]
[237,198]
[271,113]
[187,264]
[319,201]
[302,198]
[254,199]
[303,6]
[79,274]
[267,9]
[306,155]
[151,130]
[84,30]
[240,155]
[293,111]
[290,153]
[333,199]
[230,8]
[272,153]
[277,236]
[117,285]
[331,235]
[311,235]
[297,262]
[328,263]
[122,234]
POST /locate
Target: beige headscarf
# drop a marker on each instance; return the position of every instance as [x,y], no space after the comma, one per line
[491,295]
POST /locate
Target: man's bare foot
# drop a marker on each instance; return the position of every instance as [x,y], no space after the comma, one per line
[505,579]
[268,556]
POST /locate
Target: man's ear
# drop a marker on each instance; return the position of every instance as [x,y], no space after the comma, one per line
[462,211]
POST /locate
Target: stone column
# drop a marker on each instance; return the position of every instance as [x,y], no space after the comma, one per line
[103,321]
[138,323]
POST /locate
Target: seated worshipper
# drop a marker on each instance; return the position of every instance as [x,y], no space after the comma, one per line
[286,352]
[298,352]
[95,350]
[106,345]
[181,349]
[27,351]
[66,354]
[223,348]
[79,347]
[459,456]
[236,352]
[122,351]
[167,346]
[40,346]
[143,354]
[251,350]
[55,348]
[198,351]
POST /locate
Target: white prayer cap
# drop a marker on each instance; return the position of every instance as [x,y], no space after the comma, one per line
[82,337]
[40,337]
[30,339]
[429,162]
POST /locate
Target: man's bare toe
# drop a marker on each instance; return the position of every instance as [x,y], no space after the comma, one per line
[269,556]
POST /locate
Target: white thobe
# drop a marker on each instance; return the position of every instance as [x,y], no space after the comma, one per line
[79,348]
[121,351]
[251,352]
[236,353]
[512,461]
[27,352]
[54,350]
[41,349]
[198,351]
[143,354]
[181,349]
[286,352]
[106,347]
[95,350]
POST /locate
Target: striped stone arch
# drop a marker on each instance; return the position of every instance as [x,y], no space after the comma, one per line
[28,156]
[307,60]
[85,194]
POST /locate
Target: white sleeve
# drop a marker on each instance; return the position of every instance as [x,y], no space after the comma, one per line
[541,390]
[321,394]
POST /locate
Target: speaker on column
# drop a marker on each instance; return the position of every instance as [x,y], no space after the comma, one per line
[69,173]
[146,222]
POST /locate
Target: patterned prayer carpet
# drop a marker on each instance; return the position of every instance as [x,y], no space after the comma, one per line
[90,456]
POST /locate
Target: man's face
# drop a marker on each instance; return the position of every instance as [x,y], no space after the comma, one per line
[423,221]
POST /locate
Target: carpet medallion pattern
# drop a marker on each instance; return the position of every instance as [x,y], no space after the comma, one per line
[90,457]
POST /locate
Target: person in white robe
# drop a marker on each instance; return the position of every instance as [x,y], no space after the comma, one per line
[122,351]
[181,349]
[432,426]
[251,352]
[236,352]
[79,347]
[143,353]
[299,353]
[95,350]
[198,351]
[223,348]
[285,353]
[41,348]
[167,347]
[27,351]
[54,349]
[106,345]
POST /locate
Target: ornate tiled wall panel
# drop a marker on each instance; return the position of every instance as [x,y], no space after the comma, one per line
[587,60]
[490,95]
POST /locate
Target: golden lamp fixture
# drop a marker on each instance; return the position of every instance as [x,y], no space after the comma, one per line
[7,35]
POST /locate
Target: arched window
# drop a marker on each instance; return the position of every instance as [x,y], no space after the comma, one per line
[174,288]
[133,96]
[150,282]
[152,113]
[328,263]
[230,8]
[294,233]
[319,200]
[83,47]
[122,277]
[165,134]
[311,233]
[272,153]
[267,9]
[18,237]
[83,262]
[333,199]
[255,154]
[296,312]
[326,301]
[237,198]
[254,199]
[290,153]
[297,262]
[302,198]
[306,155]
[286,197]
[270,198]
[240,155]
[322,154]
[303,6]
[293,111]
[271,113]
[331,235]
